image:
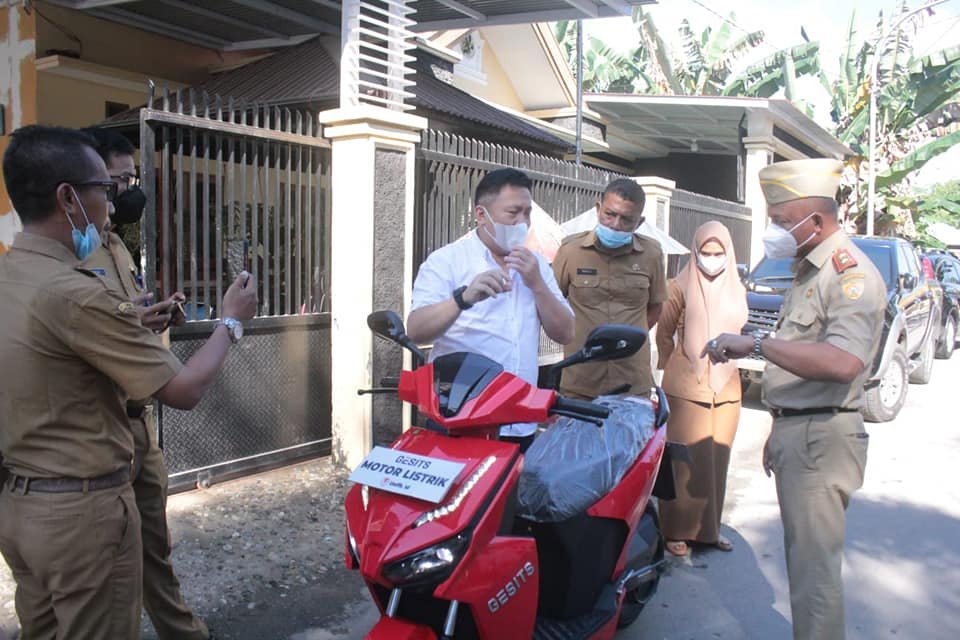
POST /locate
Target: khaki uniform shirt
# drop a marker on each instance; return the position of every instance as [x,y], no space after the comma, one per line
[837,297]
[78,350]
[114,263]
[603,286]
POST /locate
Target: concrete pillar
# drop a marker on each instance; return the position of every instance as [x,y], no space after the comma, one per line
[18,94]
[371,266]
[759,155]
[659,193]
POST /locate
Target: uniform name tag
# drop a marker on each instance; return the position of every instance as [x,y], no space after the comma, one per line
[585,271]
[99,272]
[408,474]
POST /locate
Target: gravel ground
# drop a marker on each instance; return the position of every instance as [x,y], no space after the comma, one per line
[260,557]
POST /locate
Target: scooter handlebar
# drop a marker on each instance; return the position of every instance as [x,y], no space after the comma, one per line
[569,406]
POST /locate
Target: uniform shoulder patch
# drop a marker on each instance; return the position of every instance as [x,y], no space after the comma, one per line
[843,260]
[853,285]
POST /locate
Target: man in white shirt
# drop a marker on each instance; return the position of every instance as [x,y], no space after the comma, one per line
[486,293]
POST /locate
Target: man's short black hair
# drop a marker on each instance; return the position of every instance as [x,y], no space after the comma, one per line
[110,143]
[628,190]
[494,182]
[37,161]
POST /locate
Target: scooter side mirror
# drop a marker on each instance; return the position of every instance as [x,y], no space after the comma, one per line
[606,342]
[613,341]
[387,324]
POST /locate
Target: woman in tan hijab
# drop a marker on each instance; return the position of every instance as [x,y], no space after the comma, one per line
[705,299]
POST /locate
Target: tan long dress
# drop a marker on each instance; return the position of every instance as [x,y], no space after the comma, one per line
[705,421]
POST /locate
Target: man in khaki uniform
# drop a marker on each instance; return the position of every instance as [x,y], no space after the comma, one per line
[69,526]
[826,337]
[171,617]
[611,274]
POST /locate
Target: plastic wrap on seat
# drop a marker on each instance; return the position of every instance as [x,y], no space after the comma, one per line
[574,463]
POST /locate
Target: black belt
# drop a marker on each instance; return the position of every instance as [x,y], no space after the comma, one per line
[812,411]
[134,411]
[68,485]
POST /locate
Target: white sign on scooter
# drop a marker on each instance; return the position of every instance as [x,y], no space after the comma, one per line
[408,474]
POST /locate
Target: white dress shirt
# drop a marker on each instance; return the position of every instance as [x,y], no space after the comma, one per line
[505,328]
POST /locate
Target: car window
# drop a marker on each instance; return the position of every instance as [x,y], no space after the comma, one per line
[882,254]
[908,260]
[950,274]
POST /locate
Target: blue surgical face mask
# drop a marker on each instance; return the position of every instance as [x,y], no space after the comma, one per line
[87,242]
[613,239]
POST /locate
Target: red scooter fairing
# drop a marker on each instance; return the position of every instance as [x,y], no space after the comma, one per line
[505,399]
[495,578]
[395,629]
[621,503]
[467,568]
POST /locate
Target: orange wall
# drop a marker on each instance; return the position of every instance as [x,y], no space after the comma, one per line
[18,94]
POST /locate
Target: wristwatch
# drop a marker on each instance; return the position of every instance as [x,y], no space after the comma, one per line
[234,329]
[758,338]
[458,298]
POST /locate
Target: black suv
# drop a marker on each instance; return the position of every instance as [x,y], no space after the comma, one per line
[946,267]
[910,330]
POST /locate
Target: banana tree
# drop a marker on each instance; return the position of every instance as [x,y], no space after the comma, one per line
[914,122]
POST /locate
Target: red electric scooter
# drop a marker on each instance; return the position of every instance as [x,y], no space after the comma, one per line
[432,523]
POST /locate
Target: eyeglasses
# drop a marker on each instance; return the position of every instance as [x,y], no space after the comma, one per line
[109,187]
[131,180]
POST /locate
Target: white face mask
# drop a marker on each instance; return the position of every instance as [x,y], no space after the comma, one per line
[712,265]
[506,237]
[780,243]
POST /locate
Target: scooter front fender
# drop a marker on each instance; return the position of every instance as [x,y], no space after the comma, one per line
[394,629]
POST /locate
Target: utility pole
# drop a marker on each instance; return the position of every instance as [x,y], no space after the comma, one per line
[579,92]
[874,81]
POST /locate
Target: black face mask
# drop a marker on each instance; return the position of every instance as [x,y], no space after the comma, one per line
[128,206]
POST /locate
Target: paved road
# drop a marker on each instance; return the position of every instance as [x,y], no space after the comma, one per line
[902,561]
[902,565]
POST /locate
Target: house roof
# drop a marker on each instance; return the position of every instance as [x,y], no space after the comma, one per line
[254,24]
[308,74]
[644,126]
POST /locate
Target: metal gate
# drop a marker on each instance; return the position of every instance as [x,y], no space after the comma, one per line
[689,210]
[234,186]
[448,170]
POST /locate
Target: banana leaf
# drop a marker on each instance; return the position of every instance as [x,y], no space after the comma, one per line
[915,160]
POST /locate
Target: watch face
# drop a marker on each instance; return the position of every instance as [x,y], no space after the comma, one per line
[238,330]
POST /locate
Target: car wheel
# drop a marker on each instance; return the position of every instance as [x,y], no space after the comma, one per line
[948,340]
[924,370]
[883,402]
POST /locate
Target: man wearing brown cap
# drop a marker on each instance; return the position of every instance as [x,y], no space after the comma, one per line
[827,334]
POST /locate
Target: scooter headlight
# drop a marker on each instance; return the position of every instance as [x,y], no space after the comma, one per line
[433,564]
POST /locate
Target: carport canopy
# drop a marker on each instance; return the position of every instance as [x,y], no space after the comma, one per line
[232,25]
[642,126]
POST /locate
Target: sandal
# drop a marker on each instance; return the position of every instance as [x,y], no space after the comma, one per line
[678,548]
[723,544]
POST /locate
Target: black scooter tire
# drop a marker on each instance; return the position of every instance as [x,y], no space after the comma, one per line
[635,600]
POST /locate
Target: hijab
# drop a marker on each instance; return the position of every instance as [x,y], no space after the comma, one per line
[712,306]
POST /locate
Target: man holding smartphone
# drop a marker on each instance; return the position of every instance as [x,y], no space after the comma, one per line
[171,616]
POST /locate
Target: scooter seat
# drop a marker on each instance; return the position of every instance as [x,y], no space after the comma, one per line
[574,463]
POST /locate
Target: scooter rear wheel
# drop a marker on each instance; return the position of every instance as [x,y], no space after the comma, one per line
[636,599]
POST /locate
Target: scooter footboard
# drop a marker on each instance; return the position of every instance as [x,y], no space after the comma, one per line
[394,629]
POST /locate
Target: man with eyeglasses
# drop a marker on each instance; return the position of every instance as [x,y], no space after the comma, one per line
[75,351]
[172,618]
